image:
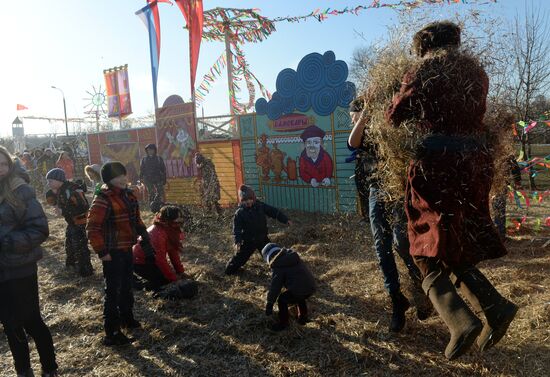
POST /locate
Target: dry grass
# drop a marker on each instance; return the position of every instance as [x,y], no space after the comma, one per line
[223,331]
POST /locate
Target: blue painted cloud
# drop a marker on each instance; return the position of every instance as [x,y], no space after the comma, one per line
[318,83]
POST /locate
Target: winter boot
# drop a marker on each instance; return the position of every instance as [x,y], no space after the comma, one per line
[422,304]
[400,305]
[27,373]
[499,312]
[130,323]
[302,313]
[463,325]
[116,338]
[85,268]
[283,318]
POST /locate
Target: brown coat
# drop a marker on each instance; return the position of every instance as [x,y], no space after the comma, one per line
[447,192]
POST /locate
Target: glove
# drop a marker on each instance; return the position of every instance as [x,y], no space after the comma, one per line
[149,252]
[268,309]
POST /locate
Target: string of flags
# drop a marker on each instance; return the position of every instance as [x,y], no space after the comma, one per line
[321,15]
[522,196]
[528,126]
[209,78]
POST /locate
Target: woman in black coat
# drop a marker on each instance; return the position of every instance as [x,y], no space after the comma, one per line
[23,227]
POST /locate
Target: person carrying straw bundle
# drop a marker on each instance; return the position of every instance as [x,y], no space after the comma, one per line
[449,180]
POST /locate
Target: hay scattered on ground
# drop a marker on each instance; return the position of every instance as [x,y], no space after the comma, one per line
[223,331]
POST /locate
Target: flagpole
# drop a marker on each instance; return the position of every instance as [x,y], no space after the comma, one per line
[191,78]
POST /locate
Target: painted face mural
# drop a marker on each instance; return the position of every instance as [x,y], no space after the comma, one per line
[313,147]
[315,163]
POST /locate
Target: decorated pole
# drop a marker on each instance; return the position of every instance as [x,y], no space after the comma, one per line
[229,64]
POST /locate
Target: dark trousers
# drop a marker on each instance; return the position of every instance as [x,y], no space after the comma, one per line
[20,315]
[76,248]
[152,275]
[244,253]
[154,189]
[287,298]
[119,298]
[389,229]
[363,193]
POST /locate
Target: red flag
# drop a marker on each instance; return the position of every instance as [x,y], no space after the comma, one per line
[193,13]
[21,107]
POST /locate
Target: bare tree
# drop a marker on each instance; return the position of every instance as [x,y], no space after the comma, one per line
[530,76]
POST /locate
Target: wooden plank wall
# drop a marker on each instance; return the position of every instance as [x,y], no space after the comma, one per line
[222,154]
[182,191]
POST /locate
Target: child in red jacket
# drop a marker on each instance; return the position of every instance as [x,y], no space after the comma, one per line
[166,237]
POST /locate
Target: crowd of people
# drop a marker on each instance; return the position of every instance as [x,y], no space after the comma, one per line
[438,237]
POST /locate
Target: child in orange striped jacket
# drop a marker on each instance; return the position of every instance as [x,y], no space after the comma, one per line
[114,224]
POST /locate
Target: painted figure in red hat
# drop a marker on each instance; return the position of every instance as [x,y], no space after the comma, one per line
[315,162]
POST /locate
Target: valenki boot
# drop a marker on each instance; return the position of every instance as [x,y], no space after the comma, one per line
[463,325]
[499,312]
[422,303]
[400,304]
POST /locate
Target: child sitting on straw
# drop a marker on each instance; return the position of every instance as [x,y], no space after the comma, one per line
[290,272]
[166,237]
[71,200]
[250,227]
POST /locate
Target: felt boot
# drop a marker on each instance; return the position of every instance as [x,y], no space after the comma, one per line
[484,298]
[400,305]
[422,304]
[463,325]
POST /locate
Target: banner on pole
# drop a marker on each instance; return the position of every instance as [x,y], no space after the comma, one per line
[118,91]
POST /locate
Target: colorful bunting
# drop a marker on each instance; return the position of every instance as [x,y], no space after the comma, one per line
[322,15]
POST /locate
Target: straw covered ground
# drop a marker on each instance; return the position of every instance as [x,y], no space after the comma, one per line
[223,330]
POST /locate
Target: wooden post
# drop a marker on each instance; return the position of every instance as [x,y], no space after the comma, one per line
[229,71]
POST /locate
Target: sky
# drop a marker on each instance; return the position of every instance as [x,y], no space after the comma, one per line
[68,44]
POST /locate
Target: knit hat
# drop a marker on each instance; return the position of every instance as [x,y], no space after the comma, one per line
[151,146]
[246,193]
[269,250]
[112,170]
[56,174]
[436,35]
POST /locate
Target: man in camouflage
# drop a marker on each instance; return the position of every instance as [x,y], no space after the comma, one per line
[209,185]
